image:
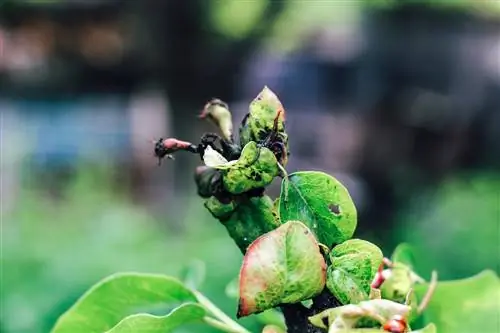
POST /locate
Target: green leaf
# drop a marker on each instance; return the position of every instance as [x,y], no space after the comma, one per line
[259,123]
[252,218]
[403,253]
[464,306]
[232,288]
[268,317]
[354,264]
[398,284]
[282,266]
[219,210]
[272,317]
[322,203]
[118,296]
[146,323]
[193,274]
[431,328]
[256,168]
[273,329]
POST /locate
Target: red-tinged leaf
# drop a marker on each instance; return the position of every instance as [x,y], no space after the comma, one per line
[282,266]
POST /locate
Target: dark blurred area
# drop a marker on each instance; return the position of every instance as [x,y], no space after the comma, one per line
[400,100]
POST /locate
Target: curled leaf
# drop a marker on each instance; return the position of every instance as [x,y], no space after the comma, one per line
[256,168]
[219,210]
[218,113]
[322,203]
[252,218]
[260,120]
[282,266]
[354,263]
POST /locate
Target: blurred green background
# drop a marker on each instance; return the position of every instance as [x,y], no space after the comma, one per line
[398,99]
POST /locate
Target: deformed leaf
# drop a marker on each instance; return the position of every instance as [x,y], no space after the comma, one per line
[116,297]
[282,266]
[256,167]
[464,306]
[354,264]
[252,218]
[219,210]
[322,203]
[147,323]
[260,121]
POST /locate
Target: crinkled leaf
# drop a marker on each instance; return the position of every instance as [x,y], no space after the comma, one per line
[193,274]
[118,296]
[354,264]
[256,168]
[403,253]
[465,306]
[322,203]
[282,266]
[219,210]
[259,122]
[252,218]
[351,314]
[147,323]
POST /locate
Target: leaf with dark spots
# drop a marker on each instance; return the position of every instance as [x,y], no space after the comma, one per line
[322,203]
[256,167]
[282,266]
[335,209]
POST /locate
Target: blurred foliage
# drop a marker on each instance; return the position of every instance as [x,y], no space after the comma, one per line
[456,229]
[56,250]
[307,17]
[484,7]
[235,19]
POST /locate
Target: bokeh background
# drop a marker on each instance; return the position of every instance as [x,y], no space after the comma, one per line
[398,99]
